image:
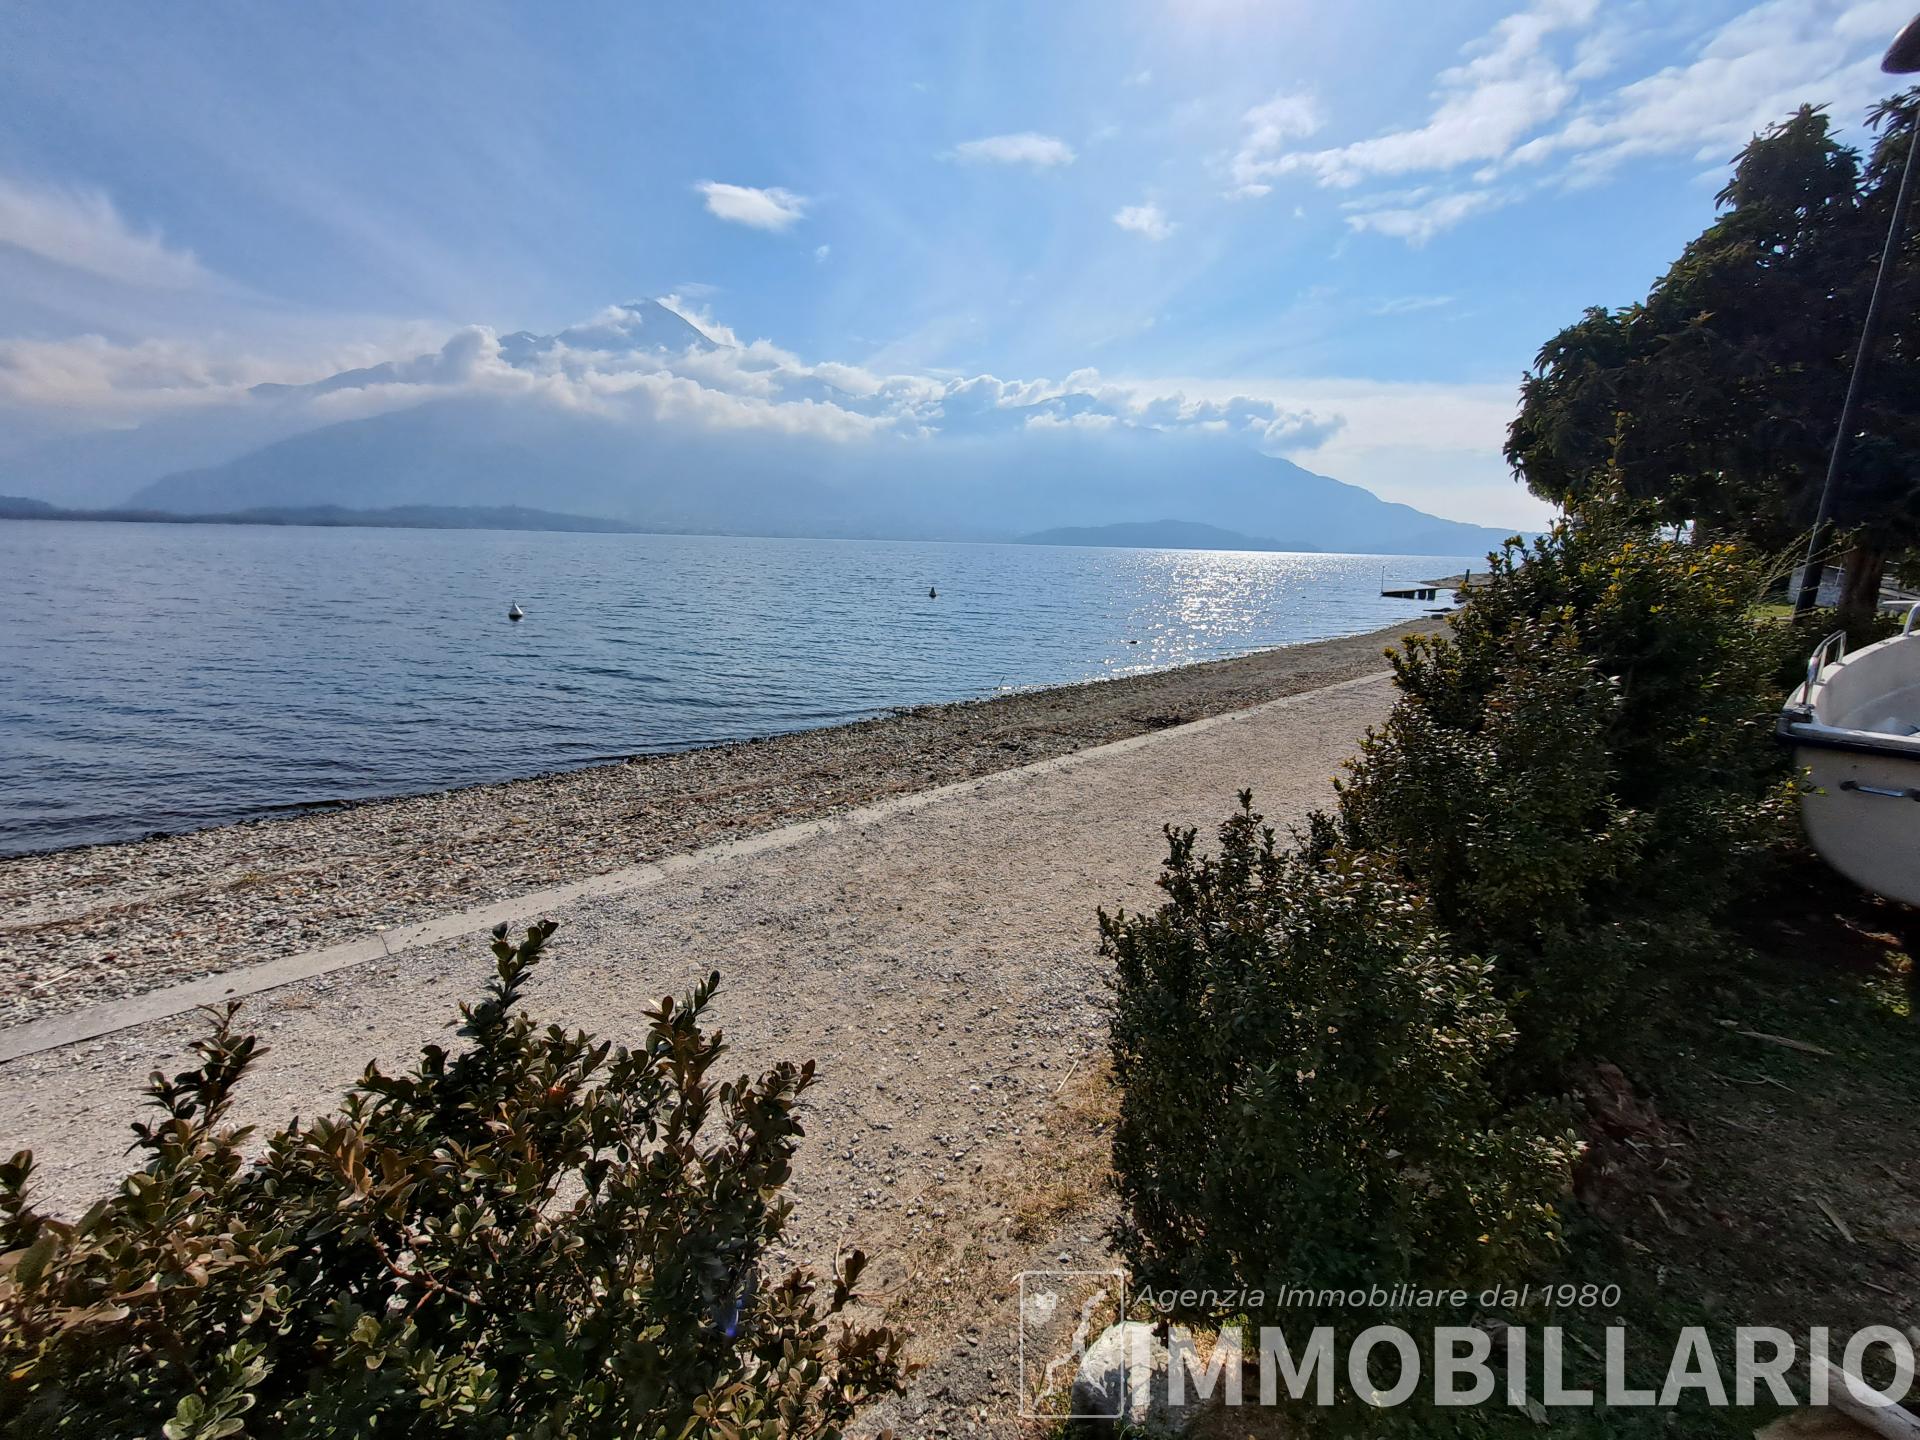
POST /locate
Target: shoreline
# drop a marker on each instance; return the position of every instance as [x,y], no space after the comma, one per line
[115,920]
[287,811]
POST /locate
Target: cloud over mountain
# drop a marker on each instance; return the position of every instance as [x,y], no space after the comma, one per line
[644,359]
[657,414]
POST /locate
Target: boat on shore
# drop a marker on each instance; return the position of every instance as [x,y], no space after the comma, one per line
[1854,726]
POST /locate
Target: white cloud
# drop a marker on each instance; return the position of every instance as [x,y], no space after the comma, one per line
[1543,89]
[1042,152]
[1147,219]
[1268,129]
[90,372]
[768,209]
[90,381]
[682,303]
[1084,400]
[1507,87]
[80,228]
[1293,432]
[1083,420]
[1745,75]
[821,252]
[1422,216]
[665,396]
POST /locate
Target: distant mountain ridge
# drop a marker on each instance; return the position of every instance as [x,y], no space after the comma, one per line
[641,416]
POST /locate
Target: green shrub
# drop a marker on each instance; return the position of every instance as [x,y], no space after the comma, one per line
[1302,1064]
[1580,776]
[543,1235]
[1512,826]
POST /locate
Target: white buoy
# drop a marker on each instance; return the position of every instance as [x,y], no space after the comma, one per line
[514,612]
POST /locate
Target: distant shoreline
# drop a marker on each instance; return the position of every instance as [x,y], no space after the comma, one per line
[398,517]
[106,921]
[514,518]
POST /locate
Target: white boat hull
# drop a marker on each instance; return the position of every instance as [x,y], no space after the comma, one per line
[1855,730]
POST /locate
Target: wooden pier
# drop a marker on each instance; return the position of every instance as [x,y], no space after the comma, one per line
[1429,590]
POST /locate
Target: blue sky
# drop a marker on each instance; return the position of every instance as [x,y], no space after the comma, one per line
[1369,213]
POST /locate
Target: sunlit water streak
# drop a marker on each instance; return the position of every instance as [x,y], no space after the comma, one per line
[165,677]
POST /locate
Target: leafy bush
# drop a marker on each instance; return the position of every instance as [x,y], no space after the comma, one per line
[1512,826]
[1331,1056]
[1304,1102]
[1579,776]
[544,1235]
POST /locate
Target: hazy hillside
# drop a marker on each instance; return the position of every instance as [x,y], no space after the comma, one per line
[488,452]
[640,416]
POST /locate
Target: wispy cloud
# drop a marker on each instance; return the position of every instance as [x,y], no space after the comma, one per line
[1269,127]
[1540,92]
[1041,152]
[1147,219]
[1418,217]
[1409,304]
[80,228]
[764,209]
[1504,91]
[91,373]
[1746,74]
[96,381]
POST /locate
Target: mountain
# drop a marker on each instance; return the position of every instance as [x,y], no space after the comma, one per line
[1154,535]
[476,451]
[106,467]
[482,452]
[645,417]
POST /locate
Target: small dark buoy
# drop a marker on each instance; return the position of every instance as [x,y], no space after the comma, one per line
[514,612]
[932,594]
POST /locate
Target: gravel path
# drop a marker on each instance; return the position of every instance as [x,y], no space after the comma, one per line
[110,921]
[938,963]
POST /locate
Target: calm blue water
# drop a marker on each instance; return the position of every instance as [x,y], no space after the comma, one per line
[166,677]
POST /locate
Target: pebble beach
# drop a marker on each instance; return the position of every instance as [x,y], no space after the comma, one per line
[107,922]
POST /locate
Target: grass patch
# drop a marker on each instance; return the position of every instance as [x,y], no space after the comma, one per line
[1065,1160]
[1735,1218]
[946,1260]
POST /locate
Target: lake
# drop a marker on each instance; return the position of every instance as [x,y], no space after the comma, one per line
[169,677]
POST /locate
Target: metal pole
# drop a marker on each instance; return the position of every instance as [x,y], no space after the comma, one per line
[1869,331]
